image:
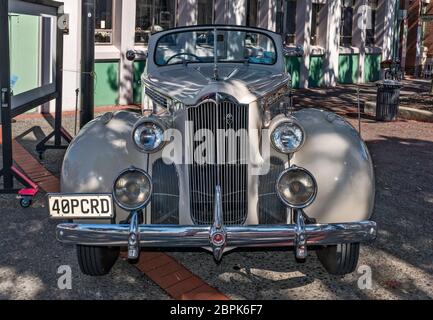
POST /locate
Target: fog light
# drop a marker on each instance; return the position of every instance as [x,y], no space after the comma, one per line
[297,188]
[132,189]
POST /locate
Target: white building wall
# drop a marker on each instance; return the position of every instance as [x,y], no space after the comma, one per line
[220,9]
[71,55]
[267,14]
[236,12]
[186,12]
[360,34]
[126,68]
[303,34]
[332,43]
[385,26]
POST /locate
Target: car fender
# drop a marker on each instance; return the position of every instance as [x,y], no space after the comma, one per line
[338,158]
[101,150]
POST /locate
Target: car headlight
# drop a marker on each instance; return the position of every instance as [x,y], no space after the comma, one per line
[148,135]
[288,136]
[297,188]
[132,189]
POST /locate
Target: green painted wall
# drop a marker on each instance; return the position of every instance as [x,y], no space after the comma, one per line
[348,68]
[372,67]
[24,51]
[293,65]
[106,83]
[315,78]
[138,71]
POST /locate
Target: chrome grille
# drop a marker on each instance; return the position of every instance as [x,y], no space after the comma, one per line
[165,196]
[271,209]
[156,97]
[231,173]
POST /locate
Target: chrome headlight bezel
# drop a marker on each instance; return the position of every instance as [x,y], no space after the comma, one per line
[286,121]
[304,204]
[145,202]
[149,121]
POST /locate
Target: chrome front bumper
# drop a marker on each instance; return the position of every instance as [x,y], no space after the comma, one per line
[159,236]
[217,236]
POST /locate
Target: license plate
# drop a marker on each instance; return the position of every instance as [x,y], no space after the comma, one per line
[80,206]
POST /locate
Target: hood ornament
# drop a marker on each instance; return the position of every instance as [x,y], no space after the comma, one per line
[229,119]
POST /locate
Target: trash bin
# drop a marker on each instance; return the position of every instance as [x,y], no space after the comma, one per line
[388,100]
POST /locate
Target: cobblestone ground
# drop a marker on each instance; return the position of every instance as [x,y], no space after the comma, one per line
[401,259]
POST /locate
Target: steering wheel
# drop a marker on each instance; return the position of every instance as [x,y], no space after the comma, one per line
[183,54]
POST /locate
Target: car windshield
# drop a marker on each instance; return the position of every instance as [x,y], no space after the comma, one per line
[199,47]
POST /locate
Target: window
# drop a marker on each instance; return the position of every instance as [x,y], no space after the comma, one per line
[290,30]
[104,22]
[153,16]
[317,7]
[371,25]
[346,23]
[233,46]
[205,13]
[252,13]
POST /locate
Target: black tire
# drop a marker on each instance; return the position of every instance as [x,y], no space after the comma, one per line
[25,203]
[96,261]
[341,259]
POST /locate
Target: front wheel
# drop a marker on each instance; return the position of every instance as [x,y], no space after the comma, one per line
[96,261]
[341,259]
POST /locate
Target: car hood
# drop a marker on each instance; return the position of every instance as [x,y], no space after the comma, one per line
[191,83]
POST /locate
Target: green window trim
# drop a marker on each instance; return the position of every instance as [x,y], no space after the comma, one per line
[316,73]
[106,82]
[348,68]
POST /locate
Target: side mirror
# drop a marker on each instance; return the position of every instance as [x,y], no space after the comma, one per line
[130,55]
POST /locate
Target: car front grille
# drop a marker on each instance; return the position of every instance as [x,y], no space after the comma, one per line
[230,171]
[156,97]
[271,209]
[165,195]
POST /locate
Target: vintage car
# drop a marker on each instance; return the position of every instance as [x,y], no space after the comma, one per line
[218,160]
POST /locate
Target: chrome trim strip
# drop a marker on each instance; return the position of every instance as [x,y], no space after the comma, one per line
[169,236]
[134,238]
[218,233]
[301,243]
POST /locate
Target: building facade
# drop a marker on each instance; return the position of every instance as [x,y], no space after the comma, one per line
[416,41]
[342,41]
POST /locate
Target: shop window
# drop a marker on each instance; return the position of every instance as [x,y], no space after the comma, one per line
[153,16]
[317,7]
[104,22]
[290,26]
[205,13]
[252,13]
[346,25]
[371,25]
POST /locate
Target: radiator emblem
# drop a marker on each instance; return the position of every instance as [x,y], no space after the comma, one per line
[229,119]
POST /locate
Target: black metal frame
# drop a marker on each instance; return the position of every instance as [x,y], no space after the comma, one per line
[9,172]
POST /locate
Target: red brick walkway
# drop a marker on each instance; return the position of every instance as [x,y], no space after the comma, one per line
[175,279]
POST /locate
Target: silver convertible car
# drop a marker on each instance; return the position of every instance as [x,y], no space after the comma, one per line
[218,160]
